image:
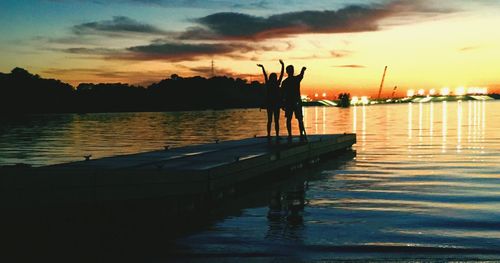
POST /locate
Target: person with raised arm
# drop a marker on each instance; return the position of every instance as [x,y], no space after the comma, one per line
[273,99]
[293,102]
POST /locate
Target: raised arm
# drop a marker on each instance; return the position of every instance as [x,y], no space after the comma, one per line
[301,75]
[282,71]
[263,71]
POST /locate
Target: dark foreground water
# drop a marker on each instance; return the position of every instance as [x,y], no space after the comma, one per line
[424,182]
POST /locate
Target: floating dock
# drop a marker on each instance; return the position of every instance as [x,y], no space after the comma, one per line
[207,170]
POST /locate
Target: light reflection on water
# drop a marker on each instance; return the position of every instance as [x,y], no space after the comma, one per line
[425,175]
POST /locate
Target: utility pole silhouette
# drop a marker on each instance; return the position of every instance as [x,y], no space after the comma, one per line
[394,91]
[213,69]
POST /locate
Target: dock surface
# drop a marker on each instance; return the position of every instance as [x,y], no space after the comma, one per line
[192,170]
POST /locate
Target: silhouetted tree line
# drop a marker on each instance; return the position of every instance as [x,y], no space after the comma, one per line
[23,92]
[344,100]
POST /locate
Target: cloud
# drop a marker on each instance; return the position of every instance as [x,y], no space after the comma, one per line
[247,4]
[350,66]
[340,53]
[215,4]
[469,48]
[80,75]
[90,51]
[171,51]
[183,51]
[350,19]
[227,33]
[118,25]
[85,71]
[207,72]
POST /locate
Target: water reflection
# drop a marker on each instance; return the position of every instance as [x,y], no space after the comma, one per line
[484,117]
[410,120]
[444,126]
[469,123]
[459,126]
[420,121]
[355,119]
[324,120]
[389,194]
[431,120]
[363,127]
[285,213]
[400,189]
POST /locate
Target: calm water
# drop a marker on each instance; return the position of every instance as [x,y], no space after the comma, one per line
[425,181]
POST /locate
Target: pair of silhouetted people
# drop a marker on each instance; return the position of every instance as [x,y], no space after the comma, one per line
[286,97]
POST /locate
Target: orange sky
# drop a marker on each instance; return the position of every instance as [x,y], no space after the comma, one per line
[424,46]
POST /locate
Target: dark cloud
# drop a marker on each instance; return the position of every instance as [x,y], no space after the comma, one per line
[90,51]
[183,51]
[350,66]
[178,51]
[116,26]
[350,19]
[170,51]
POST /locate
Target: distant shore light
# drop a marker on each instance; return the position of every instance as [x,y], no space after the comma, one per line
[445,91]
[432,92]
[421,92]
[324,94]
[364,100]
[460,91]
[410,93]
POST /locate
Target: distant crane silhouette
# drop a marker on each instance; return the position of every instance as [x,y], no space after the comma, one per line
[382,83]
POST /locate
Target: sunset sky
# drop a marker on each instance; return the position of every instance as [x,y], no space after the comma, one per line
[344,44]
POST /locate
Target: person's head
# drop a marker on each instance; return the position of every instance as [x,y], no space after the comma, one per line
[289,70]
[273,77]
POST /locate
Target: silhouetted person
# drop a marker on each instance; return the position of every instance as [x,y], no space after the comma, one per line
[273,99]
[293,102]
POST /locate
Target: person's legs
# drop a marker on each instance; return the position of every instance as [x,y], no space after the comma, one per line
[269,120]
[300,119]
[302,129]
[288,115]
[277,121]
[289,128]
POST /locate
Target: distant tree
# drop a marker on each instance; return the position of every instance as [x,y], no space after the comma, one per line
[344,100]
[23,92]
